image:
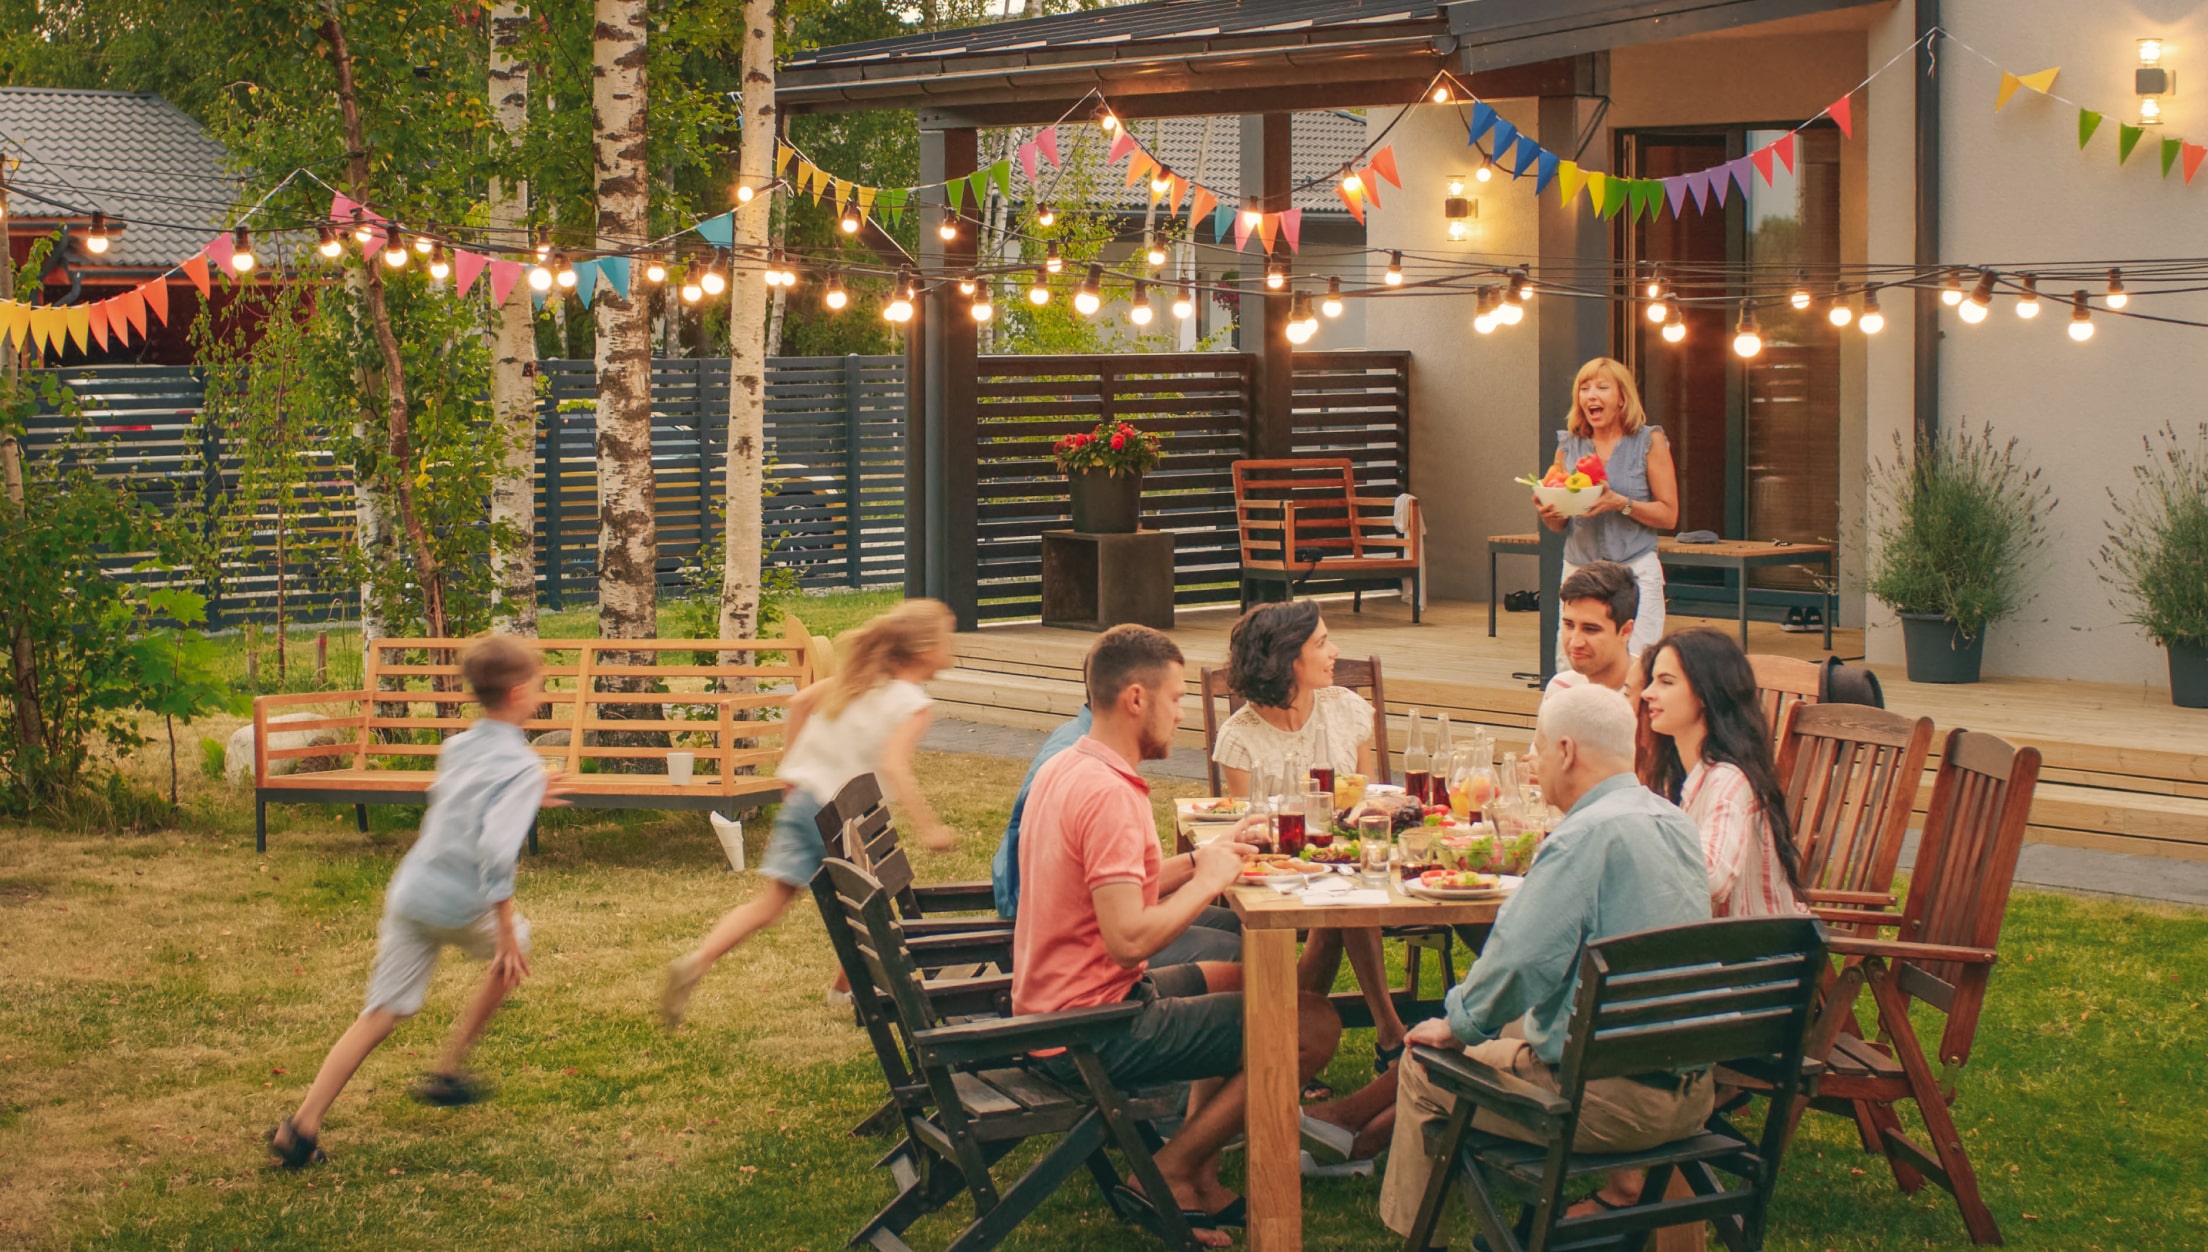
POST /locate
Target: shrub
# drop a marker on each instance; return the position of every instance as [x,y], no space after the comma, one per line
[1956,525]
[2156,554]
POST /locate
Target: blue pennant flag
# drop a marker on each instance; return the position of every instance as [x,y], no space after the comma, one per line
[1545,171]
[615,270]
[1528,152]
[1222,222]
[719,231]
[1502,138]
[586,281]
[536,300]
[1483,120]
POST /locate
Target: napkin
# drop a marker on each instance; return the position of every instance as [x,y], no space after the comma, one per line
[1325,892]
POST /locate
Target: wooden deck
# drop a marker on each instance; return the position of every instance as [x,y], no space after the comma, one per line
[2125,771]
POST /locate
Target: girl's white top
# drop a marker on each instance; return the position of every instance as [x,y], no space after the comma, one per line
[831,751]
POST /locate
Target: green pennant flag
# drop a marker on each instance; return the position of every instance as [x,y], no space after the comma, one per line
[979,180]
[1648,196]
[2170,149]
[1614,194]
[2088,122]
[892,202]
[1001,175]
[2127,138]
[956,189]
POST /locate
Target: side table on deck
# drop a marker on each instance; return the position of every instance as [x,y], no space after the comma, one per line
[1096,582]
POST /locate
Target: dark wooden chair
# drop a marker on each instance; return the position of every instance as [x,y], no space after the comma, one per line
[1738,992]
[1941,957]
[1301,518]
[1781,683]
[1851,774]
[921,908]
[965,1096]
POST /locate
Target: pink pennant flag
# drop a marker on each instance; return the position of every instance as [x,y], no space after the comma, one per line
[1241,231]
[1785,149]
[1027,159]
[465,266]
[1698,186]
[1046,142]
[1370,181]
[1762,158]
[1120,147]
[1842,113]
[1291,228]
[503,276]
[219,250]
[1675,193]
[342,206]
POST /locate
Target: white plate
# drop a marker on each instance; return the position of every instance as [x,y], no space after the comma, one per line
[1505,884]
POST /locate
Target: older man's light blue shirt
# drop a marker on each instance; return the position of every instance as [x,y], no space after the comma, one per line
[1623,860]
[485,797]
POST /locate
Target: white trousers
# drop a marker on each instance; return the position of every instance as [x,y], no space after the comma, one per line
[1648,624]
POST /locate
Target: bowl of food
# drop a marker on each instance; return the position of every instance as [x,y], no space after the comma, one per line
[1570,501]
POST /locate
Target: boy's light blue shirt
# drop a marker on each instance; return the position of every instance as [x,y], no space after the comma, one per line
[481,805]
[1004,868]
[1623,860]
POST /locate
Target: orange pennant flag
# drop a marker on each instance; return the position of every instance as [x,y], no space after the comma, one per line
[1140,165]
[133,309]
[1178,190]
[1355,203]
[78,319]
[1200,204]
[99,323]
[1267,227]
[156,294]
[1371,183]
[196,270]
[2189,157]
[1384,161]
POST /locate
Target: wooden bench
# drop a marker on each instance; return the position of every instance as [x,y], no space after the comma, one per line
[1302,519]
[411,699]
[1736,556]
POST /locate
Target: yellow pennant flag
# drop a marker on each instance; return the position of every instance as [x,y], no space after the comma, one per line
[45,325]
[1568,181]
[866,200]
[15,319]
[843,192]
[78,318]
[782,154]
[1597,184]
[2042,82]
[2009,84]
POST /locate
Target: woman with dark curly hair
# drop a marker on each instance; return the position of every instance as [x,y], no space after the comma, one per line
[1281,662]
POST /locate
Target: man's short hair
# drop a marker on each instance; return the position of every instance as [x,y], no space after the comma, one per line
[1128,654]
[1609,582]
[1598,719]
[493,667]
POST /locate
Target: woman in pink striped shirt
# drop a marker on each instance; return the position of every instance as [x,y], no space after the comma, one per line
[1701,698]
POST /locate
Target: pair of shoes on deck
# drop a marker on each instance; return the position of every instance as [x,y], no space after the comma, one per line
[1801,621]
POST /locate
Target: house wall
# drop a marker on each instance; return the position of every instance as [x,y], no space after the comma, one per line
[2015,191]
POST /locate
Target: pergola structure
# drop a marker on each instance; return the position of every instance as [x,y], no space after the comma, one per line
[1260,60]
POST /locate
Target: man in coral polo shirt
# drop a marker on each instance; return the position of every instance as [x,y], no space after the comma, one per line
[1098,900]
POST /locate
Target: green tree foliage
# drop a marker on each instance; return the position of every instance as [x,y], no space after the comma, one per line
[173,666]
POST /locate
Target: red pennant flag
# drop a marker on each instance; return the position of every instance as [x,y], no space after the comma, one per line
[1267,228]
[2192,153]
[1842,114]
[1371,183]
[1241,231]
[133,308]
[1384,161]
[1762,159]
[156,294]
[1785,148]
[465,266]
[1356,204]
[342,206]
[1120,147]
[1291,226]
[1046,141]
[196,270]
[99,323]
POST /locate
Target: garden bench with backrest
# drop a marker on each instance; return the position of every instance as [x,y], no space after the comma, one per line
[727,716]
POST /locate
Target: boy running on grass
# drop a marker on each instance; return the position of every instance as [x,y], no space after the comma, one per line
[455,887]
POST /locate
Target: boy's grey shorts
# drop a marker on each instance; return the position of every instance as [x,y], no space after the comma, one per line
[407,951]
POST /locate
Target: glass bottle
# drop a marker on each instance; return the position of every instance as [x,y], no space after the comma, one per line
[1444,760]
[1417,767]
[1322,753]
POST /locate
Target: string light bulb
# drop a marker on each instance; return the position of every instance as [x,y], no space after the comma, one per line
[1184,304]
[1051,260]
[1659,304]
[967,285]
[1675,328]
[1951,288]
[833,297]
[544,243]
[1160,182]
[440,265]
[1975,308]
[1747,337]
[1486,171]
[1332,305]
[1106,120]
[786,271]
[1483,316]
[540,278]
[1252,216]
[1045,214]
[1653,286]
[1800,297]
[2117,297]
[1509,312]
[1521,285]
[241,251]
[850,219]
[1139,312]
[1351,185]
[1089,298]
[947,229]
[899,309]
[691,291]
[1038,292]
[744,193]
[711,281]
[1456,185]
[329,245]
[982,307]
[2027,302]
[394,252]
[1394,276]
[1276,275]
[2081,318]
[1836,308]
[95,238]
[1154,252]
[563,272]
[1301,325]
[363,231]
[1441,93]
[655,271]
[424,245]
[1871,320]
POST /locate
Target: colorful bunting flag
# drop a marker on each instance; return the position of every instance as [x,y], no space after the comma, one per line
[1614,193]
[79,321]
[503,276]
[1369,181]
[1742,170]
[1384,161]
[2127,138]
[1675,194]
[1544,171]
[2169,154]
[1291,228]
[719,231]
[466,266]
[1027,159]
[1698,186]
[156,295]
[98,311]
[1501,138]
[1120,147]
[1598,187]
[219,251]
[2191,159]
[1200,202]
[1176,191]
[1268,228]
[1241,232]
[1842,113]
[1046,141]
[2088,122]
[45,324]
[1136,168]
[2007,89]
[955,190]
[1223,219]
[1569,180]
[1483,120]
[1762,159]
[1354,203]
[615,270]
[892,201]
[1523,156]
[782,154]
[195,268]
[1784,146]
[133,305]
[586,281]
[16,318]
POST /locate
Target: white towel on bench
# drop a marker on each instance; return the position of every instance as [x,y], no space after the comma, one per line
[1403,528]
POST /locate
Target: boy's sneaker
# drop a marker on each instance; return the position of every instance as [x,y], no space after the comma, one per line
[1796,621]
[683,974]
[1813,621]
[447,1091]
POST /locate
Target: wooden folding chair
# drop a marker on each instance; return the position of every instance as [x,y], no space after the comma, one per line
[1301,518]
[1851,774]
[1941,955]
[966,1098]
[1738,993]
[859,810]
[1781,683]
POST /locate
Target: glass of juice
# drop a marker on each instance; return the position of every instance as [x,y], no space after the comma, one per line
[1417,783]
[1322,776]
[1288,825]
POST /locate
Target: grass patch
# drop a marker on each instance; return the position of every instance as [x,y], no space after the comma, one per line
[165,997]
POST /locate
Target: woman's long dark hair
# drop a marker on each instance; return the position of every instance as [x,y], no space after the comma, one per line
[1262,651]
[1735,730]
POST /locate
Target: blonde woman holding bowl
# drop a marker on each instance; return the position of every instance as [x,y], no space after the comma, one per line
[1640,495]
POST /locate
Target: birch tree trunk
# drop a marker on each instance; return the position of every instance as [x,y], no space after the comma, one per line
[747,347]
[628,538]
[513,355]
[30,718]
[371,506]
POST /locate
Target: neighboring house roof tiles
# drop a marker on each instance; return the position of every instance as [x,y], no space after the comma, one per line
[1322,142]
[131,155]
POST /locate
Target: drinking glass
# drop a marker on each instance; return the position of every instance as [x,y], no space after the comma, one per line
[1373,848]
[1418,843]
[1318,815]
[1288,822]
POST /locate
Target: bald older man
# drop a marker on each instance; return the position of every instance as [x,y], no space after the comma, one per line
[1623,860]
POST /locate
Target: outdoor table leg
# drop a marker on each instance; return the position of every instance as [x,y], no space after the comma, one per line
[1744,608]
[1832,602]
[1275,1182]
[1493,590]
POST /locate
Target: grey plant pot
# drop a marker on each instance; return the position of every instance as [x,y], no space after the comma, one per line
[1937,651]
[2189,675]
[1106,504]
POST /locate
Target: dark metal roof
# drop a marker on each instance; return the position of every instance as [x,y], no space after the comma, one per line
[131,155]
